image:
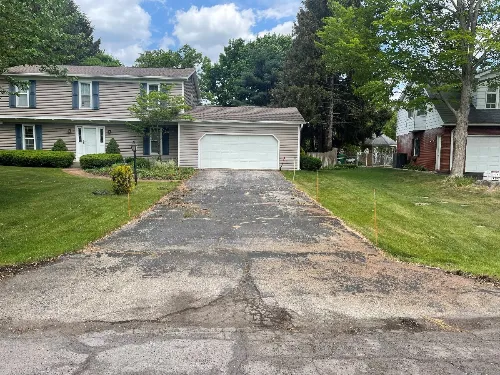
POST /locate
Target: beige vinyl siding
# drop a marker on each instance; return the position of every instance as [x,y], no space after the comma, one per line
[7,136]
[54,99]
[287,136]
[121,133]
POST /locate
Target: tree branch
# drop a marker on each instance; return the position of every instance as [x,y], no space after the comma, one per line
[448,104]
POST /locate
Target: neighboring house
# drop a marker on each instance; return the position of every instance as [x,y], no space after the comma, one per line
[427,136]
[91,106]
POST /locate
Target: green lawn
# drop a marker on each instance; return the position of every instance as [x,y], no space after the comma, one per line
[420,217]
[46,212]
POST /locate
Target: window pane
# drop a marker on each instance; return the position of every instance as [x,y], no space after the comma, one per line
[153,88]
[29,144]
[85,88]
[22,100]
[86,101]
[28,132]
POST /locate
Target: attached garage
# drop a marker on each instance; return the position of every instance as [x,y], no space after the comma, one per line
[239,151]
[241,138]
[483,154]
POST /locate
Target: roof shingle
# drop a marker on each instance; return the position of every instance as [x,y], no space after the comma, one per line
[246,113]
[105,71]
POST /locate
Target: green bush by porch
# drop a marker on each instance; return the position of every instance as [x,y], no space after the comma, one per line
[90,161]
[36,158]
[46,212]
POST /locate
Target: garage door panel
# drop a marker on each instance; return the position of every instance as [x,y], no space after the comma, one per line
[238,151]
[483,154]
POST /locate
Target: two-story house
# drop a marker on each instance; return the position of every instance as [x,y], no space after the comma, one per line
[427,136]
[90,107]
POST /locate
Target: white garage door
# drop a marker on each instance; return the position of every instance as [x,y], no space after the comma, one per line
[483,154]
[238,151]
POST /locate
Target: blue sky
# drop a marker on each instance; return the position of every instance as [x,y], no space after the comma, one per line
[129,27]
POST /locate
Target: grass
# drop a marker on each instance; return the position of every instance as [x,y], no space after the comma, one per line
[46,212]
[422,217]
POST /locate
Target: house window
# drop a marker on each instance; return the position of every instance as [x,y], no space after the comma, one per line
[492,98]
[155,141]
[153,87]
[421,112]
[29,137]
[416,146]
[85,95]
[411,113]
[23,97]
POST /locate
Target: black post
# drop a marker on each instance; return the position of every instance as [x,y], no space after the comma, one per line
[134,149]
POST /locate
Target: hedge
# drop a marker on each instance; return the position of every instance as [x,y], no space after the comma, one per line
[310,163]
[37,158]
[91,161]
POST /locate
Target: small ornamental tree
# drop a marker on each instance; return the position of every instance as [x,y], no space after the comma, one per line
[112,147]
[59,145]
[157,109]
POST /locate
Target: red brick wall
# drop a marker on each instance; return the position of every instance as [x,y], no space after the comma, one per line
[427,156]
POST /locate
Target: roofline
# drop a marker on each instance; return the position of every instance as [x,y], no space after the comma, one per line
[166,78]
[270,122]
[184,122]
[475,124]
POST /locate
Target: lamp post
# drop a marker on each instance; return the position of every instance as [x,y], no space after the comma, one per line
[134,150]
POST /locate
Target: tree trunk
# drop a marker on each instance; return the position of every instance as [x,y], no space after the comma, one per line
[460,138]
[329,129]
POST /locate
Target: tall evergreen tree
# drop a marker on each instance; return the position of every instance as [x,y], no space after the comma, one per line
[324,95]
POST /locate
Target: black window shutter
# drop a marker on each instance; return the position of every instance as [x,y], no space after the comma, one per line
[165,147]
[75,95]
[32,94]
[146,145]
[38,137]
[19,137]
[12,96]
[95,94]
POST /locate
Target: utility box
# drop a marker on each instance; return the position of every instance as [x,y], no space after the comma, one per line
[400,160]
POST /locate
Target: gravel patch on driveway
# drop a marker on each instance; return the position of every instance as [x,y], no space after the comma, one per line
[228,264]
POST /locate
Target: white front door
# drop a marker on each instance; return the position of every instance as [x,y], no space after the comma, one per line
[483,154]
[438,153]
[233,151]
[90,140]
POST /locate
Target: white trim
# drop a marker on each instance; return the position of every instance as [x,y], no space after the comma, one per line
[437,165]
[497,98]
[298,149]
[80,94]
[24,136]
[238,134]
[152,83]
[178,145]
[101,146]
[452,135]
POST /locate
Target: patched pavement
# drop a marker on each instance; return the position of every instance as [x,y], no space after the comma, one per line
[239,273]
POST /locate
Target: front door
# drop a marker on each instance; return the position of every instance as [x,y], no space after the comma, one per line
[438,153]
[90,140]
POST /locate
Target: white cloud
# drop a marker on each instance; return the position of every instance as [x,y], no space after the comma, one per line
[208,29]
[285,28]
[122,25]
[281,9]
[166,42]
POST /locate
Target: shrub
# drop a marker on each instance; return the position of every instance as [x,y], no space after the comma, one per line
[37,158]
[122,178]
[90,161]
[59,145]
[112,147]
[310,163]
[142,163]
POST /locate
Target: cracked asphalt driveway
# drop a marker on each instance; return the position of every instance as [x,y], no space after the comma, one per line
[239,273]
